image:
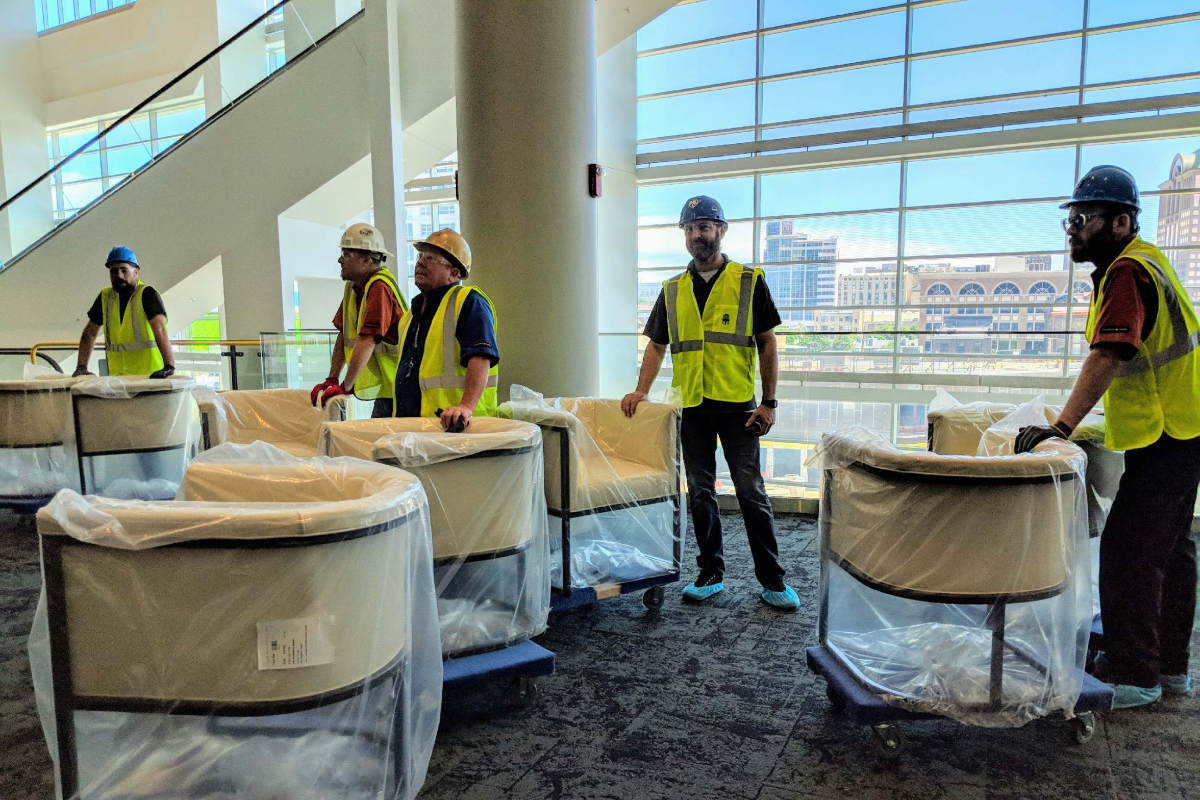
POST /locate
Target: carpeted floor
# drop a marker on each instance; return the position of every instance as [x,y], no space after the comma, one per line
[709,701]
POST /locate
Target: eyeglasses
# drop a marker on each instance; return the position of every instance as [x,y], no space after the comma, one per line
[1078,221]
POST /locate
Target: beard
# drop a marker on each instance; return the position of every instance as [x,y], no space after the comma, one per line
[704,251]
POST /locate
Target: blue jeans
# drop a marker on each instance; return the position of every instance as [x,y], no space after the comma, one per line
[700,433]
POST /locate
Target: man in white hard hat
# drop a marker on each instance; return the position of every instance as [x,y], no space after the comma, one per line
[367,322]
[451,378]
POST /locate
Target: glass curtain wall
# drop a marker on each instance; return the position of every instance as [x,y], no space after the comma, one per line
[52,13]
[111,160]
[896,276]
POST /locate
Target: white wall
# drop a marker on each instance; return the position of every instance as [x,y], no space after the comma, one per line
[22,128]
[617,146]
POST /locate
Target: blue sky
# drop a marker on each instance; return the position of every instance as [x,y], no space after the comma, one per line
[1161,50]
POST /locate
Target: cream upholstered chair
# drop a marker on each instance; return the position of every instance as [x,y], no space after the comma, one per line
[956,581]
[297,592]
[958,430]
[37,442]
[487,514]
[285,418]
[133,436]
[613,489]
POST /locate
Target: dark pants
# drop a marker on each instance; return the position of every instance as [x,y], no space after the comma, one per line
[700,434]
[1148,564]
[382,408]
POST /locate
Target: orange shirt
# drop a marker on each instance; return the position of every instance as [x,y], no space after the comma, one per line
[381,314]
[1130,306]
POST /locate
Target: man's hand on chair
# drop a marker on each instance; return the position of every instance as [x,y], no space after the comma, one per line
[629,402]
[1033,435]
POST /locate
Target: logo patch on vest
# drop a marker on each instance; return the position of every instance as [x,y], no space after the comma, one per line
[1114,329]
[724,319]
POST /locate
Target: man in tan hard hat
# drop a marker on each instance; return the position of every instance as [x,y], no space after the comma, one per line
[450,379]
[367,322]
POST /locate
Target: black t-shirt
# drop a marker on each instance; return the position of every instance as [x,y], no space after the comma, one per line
[152,305]
[765,318]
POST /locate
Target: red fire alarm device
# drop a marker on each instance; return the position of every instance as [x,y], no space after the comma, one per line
[595,180]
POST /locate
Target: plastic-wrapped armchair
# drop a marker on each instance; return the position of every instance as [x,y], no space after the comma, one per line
[955,429]
[37,442]
[956,585]
[487,514]
[133,436]
[613,491]
[285,418]
[272,633]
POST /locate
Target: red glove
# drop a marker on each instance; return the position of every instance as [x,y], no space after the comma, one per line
[320,387]
[333,391]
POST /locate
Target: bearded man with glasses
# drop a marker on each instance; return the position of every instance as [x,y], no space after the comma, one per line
[1144,362]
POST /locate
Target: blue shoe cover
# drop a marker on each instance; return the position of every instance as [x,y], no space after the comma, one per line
[1175,684]
[694,592]
[1133,696]
[786,600]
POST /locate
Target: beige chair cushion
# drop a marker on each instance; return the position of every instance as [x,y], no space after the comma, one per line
[126,414]
[285,418]
[483,490]
[614,459]
[181,622]
[953,525]
[36,413]
[957,432]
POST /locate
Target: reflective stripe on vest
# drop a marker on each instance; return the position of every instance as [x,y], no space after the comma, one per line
[1182,341]
[448,379]
[692,345]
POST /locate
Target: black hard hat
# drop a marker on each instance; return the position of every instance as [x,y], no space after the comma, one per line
[701,207]
[1106,184]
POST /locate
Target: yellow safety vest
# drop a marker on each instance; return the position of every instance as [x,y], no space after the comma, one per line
[128,340]
[441,375]
[713,356]
[378,377]
[1158,389]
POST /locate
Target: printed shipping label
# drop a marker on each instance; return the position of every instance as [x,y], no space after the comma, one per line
[294,643]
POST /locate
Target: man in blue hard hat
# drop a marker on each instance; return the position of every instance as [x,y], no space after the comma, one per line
[1144,362]
[134,321]
[715,317]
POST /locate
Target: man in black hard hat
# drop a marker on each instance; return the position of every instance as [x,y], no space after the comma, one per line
[1143,333]
[716,316]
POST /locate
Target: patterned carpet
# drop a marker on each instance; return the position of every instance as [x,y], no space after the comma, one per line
[709,701]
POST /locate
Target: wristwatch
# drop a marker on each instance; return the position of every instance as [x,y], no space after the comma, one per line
[770,403]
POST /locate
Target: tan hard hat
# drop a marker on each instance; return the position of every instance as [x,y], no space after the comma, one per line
[449,243]
[361,236]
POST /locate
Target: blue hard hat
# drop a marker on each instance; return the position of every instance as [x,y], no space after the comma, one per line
[1106,184]
[121,254]
[701,207]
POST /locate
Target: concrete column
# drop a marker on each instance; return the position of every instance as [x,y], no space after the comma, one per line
[387,134]
[241,65]
[306,21]
[526,103]
[22,131]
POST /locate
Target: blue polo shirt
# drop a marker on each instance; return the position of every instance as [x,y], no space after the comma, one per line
[475,332]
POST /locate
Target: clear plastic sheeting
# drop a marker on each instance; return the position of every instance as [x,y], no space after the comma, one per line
[956,429]
[285,418]
[37,439]
[956,585]
[613,487]
[487,514]
[271,633]
[134,436]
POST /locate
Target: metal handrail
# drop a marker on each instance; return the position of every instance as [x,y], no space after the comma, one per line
[142,105]
[182,342]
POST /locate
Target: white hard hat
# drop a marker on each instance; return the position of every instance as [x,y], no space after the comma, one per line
[361,236]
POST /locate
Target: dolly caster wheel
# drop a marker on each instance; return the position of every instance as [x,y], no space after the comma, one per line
[654,597]
[889,739]
[837,703]
[524,691]
[1083,727]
